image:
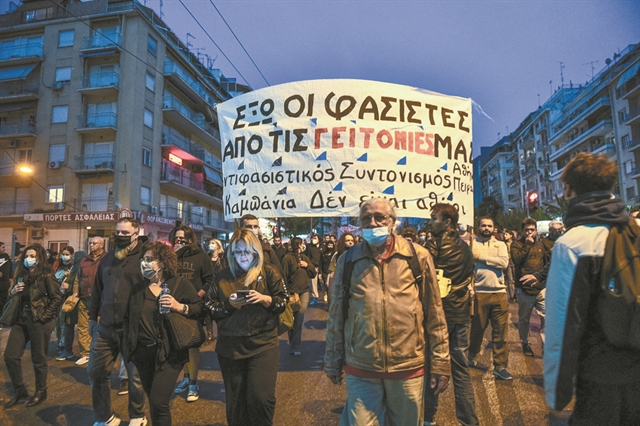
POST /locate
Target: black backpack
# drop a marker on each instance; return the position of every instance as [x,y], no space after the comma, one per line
[619,303]
[413,262]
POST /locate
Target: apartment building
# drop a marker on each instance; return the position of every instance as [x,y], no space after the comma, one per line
[114,116]
[498,174]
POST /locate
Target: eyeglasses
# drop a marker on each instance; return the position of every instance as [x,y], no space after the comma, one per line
[379,218]
[148,259]
[246,253]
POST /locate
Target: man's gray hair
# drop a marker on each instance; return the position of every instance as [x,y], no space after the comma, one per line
[372,201]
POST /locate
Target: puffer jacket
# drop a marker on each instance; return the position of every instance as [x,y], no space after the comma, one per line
[87,276]
[455,258]
[387,326]
[250,320]
[45,296]
[530,258]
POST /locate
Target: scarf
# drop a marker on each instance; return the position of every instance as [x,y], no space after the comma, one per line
[596,207]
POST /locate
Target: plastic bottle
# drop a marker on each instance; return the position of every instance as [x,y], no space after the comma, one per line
[165,290]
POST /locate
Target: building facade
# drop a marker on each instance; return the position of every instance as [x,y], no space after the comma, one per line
[114,116]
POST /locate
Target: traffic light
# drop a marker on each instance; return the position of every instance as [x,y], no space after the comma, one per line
[532,200]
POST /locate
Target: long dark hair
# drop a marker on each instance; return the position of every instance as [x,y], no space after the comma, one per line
[189,235]
[41,267]
[341,243]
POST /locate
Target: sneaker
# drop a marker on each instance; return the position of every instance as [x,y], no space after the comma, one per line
[63,355]
[182,386]
[526,349]
[70,356]
[502,374]
[83,360]
[140,421]
[113,421]
[193,394]
[123,389]
[324,298]
[314,301]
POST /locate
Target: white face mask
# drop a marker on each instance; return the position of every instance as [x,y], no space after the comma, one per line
[66,259]
[212,248]
[148,269]
[376,236]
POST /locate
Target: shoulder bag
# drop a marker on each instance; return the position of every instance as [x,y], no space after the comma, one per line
[11,311]
[184,333]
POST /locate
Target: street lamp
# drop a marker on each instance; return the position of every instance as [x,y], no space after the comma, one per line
[24,168]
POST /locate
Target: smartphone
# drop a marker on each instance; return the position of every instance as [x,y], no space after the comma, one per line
[242,294]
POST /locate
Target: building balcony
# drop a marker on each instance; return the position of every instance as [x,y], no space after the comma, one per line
[105,43]
[182,182]
[561,127]
[209,222]
[529,159]
[630,88]
[527,173]
[100,83]
[188,149]
[633,118]
[635,144]
[92,164]
[95,204]
[18,92]
[90,123]
[191,121]
[634,172]
[512,182]
[9,208]
[17,130]
[187,84]
[608,148]
[600,129]
[23,54]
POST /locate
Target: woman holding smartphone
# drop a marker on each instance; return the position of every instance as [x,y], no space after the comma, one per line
[40,300]
[246,299]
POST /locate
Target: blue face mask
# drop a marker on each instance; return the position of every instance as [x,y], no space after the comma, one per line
[29,262]
[376,236]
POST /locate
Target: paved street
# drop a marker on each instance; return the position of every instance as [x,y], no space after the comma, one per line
[304,395]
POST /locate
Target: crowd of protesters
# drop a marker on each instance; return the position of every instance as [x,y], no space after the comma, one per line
[407,311]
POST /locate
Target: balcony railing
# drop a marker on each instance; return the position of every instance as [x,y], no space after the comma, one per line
[10,207]
[17,129]
[565,122]
[171,67]
[171,102]
[92,163]
[15,90]
[602,126]
[632,117]
[171,172]
[21,51]
[95,204]
[172,137]
[103,119]
[98,41]
[628,87]
[104,79]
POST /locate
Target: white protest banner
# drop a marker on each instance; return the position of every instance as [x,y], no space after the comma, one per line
[322,147]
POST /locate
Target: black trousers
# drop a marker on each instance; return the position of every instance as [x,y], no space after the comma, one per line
[39,334]
[158,382]
[250,385]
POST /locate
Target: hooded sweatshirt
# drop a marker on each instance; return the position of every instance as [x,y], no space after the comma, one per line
[195,266]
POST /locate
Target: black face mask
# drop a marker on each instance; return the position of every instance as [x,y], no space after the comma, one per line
[122,241]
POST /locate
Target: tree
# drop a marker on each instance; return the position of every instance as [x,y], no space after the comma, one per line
[488,207]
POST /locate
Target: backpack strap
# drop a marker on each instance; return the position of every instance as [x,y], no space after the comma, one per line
[346,283]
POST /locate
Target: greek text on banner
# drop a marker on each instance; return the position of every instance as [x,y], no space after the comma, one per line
[323,147]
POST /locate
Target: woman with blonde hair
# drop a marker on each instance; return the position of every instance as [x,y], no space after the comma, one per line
[245,300]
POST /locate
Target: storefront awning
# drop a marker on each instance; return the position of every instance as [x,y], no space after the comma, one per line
[16,73]
[629,74]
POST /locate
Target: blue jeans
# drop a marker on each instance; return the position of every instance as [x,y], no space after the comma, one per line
[105,346]
[295,334]
[378,401]
[462,386]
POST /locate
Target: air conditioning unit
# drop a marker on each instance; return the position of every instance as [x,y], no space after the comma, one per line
[37,234]
[58,206]
[55,165]
[13,143]
[57,85]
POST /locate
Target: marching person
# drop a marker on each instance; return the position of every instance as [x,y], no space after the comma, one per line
[380,340]
[146,339]
[194,265]
[246,300]
[70,319]
[40,300]
[250,222]
[61,270]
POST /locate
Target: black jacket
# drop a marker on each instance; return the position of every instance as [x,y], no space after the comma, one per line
[270,257]
[279,251]
[530,258]
[297,278]
[113,284]
[313,253]
[195,265]
[45,296]
[184,292]
[249,320]
[5,268]
[455,258]
[325,261]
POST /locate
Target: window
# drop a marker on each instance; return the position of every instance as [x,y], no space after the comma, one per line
[152,45]
[39,14]
[631,192]
[150,82]
[55,194]
[57,153]
[622,115]
[25,155]
[145,195]
[60,114]
[180,208]
[148,118]
[65,38]
[63,74]
[146,157]
[626,141]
